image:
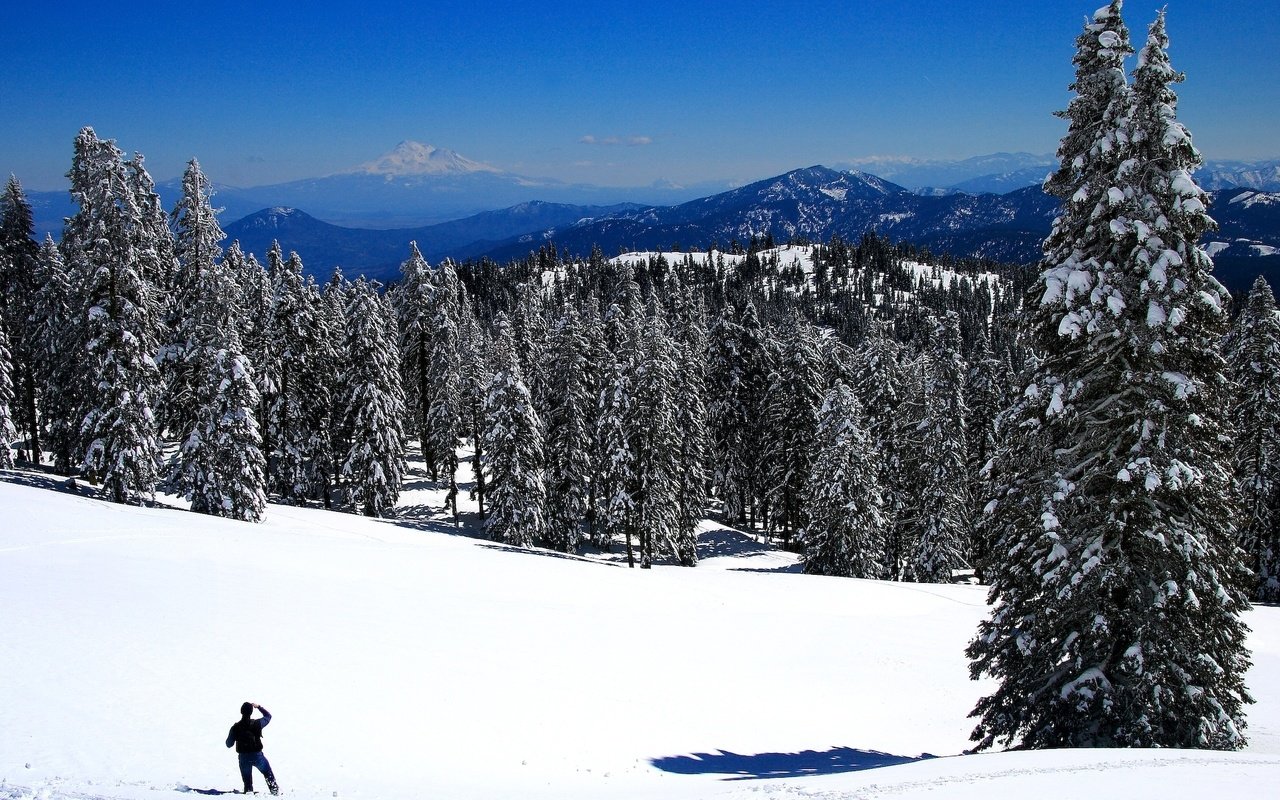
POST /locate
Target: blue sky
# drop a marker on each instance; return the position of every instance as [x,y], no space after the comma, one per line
[612,94]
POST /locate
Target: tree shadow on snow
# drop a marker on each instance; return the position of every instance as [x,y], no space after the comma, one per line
[731,543]
[434,519]
[43,477]
[727,542]
[794,569]
[545,553]
[760,766]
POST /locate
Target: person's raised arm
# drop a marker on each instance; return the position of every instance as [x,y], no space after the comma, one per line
[266,716]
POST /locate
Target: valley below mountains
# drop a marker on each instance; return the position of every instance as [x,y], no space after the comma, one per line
[989,207]
[814,204]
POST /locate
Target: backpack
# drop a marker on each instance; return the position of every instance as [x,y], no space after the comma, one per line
[248,736]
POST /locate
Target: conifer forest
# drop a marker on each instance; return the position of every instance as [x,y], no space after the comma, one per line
[1096,438]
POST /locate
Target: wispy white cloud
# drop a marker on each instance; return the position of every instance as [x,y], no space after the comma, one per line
[629,141]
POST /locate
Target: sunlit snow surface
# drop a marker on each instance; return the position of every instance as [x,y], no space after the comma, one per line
[407,659]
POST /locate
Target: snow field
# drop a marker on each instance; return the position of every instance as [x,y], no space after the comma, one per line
[403,661]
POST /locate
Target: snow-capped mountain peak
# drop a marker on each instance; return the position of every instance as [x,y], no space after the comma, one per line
[415,158]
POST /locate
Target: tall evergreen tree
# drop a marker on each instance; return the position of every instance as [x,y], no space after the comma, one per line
[616,474]
[7,430]
[375,404]
[19,285]
[656,447]
[984,394]
[691,421]
[514,447]
[1116,619]
[255,307]
[737,380]
[153,246]
[55,333]
[842,536]
[414,300]
[300,400]
[122,447]
[881,384]
[941,541]
[234,482]
[569,432]
[220,465]
[472,346]
[197,248]
[790,426]
[445,411]
[1254,360]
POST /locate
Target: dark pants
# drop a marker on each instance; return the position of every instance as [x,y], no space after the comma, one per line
[250,760]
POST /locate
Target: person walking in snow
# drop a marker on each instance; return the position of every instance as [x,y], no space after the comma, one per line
[246,735]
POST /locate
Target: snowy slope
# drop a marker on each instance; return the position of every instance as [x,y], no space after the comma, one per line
[404,659]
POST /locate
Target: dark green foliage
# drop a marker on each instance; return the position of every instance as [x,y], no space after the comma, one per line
[1116,618]
[846,525]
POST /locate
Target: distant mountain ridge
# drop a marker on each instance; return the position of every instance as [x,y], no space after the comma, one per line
[817,203]
[378,253]
[416,184]
[814,203]
[1004,172]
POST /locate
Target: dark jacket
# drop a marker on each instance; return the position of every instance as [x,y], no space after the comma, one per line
[246,734]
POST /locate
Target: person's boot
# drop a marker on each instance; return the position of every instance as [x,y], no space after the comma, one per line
[273,787]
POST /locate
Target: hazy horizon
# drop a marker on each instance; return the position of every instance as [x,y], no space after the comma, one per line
[684,92]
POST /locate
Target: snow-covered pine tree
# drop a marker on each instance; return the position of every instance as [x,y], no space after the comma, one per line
[329,367]
[655,440]
[1063,304]
[530,329]
[1254,360]
[513,450]
[374,465]
[7,430]
[197,248]
[790,427]
[220,465]
[569,432]
[57,366]
[254,305]
[691,421]
[19,254]
[265,351]
[472,347]
[736,382]
[599,358]
[984,394]
[846,524]
[1116,619]
[414,300]
[300,406]
[236,481]
[942,521]
[615,475]
[121,445]
[445,412]
[880,388]
[153,245]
